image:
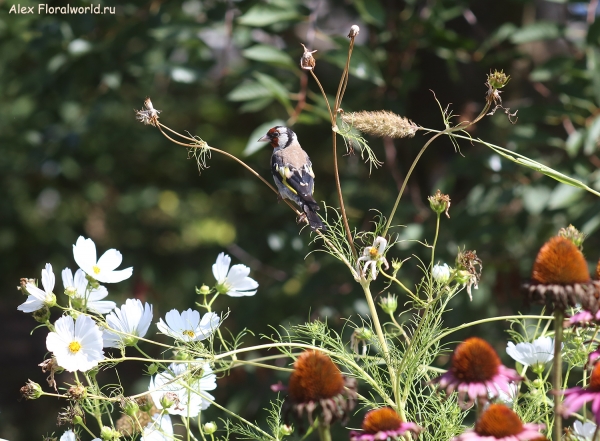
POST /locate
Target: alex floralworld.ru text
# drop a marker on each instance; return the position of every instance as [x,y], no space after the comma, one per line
[68,9]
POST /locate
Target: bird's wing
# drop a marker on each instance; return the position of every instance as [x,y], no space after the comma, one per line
[300,181]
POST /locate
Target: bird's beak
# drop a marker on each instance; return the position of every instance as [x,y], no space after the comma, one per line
[264,139]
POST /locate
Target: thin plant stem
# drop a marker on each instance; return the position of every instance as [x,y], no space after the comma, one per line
[324,431]
[557,371]
[435,239]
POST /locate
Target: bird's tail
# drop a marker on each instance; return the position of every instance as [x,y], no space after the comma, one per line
[313,218]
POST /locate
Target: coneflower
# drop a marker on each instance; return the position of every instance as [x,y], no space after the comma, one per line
[576,397]
[318,387]
[381,123]
[498,422]
[383,424]
[476,372]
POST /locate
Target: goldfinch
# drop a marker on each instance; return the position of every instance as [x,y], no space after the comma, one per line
[292,172]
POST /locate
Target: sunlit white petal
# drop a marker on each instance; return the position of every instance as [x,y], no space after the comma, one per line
[76,344]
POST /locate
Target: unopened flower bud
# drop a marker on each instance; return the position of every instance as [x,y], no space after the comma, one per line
[152,369]
[354,31]
[70,291]
[285,430]
[130,406]
[573,234]
[31,390]
[42,315]
[203,290]
[209,428]
[77,419]
[183,355]
[307,61]
[389,304]
[440,203]
[109,434]
[441,273]
[92,282]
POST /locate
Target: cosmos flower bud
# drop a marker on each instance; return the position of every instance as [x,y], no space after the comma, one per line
[441,273]
[168,399]
[130,407]
[152,368]
[209,428]
[109,434]
[203,290]
[285,430]
[42,315]
[497,80]
[381,123]
[389,304]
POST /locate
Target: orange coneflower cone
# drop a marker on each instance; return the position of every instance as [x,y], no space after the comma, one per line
[560,277]
[318,387]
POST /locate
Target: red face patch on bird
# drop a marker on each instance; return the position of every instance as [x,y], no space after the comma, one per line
[273,135]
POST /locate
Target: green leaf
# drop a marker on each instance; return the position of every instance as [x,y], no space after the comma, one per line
[247,91]
[593,135]
[541,30]
[370,11]
[574,142]
[268,54]
[265,15]
[253,145]
[256,105]
[276,89]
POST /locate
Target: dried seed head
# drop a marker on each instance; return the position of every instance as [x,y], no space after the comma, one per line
[148,116]
[354,31]
[307,61]
[559,262]
[497,80]
[31,390]
[440,203]
[381,123]
[77,392]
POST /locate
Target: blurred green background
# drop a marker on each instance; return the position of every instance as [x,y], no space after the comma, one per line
[74,161]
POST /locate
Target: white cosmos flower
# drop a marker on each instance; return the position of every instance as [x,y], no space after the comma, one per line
[235,281]
[132,320]
[187,326]
[540,352]
[504,397]
[584,431]
[373,256]
[160,429]
[38,298]
[188,383]
[68,436]
[76,344]
[441,273]
[103,270]
[77,288]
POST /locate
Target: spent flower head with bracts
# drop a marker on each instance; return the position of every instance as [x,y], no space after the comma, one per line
[84,295]
[188,326]
[440,203]
[235,281]
[317,385]
[37,298]
[381,123]
[535,354]
[576,397]
[104,269]
[560,277]
[476,372]
[441,273]
[373,256]
[498,422]
[148,116]
[131,322]
[384,424]
[76,344]
[468,270]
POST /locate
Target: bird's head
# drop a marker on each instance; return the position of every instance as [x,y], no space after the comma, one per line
[279,137]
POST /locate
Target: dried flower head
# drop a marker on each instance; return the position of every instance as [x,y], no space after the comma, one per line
[70,415]
[148,116]
[560,277]
[317,385]
[31,390]
[499,422]
[383,424]
[77,392]
[50,365]
[573,234]
[127,424]
[354,31]
[440,203]
[468,269]
[23,281]
[381,123]
[307,61]
[497,80]
[476,373]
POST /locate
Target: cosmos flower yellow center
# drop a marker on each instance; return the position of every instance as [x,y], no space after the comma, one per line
[74,347]
[189,333]
[373,252]
[96,269]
